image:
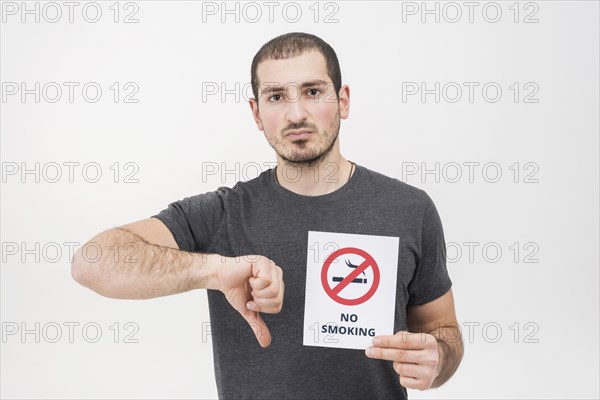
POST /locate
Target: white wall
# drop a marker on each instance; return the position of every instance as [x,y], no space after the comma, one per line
[541,293]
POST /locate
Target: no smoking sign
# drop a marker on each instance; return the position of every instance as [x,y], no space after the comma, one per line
[350,291]
[333,285]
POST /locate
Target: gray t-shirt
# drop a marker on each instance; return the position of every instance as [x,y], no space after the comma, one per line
[261,217]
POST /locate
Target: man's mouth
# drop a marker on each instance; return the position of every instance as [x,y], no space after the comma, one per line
[299,134]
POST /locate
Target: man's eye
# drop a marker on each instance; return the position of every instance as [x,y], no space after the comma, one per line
[273,98]
[314,92]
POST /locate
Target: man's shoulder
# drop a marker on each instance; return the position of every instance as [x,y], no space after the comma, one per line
[252,187]
[388,185]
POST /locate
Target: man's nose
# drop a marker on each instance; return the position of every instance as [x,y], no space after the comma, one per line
[296,111]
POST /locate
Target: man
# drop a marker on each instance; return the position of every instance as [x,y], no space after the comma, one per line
[202,242]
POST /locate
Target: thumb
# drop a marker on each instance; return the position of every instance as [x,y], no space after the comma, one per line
[259,327]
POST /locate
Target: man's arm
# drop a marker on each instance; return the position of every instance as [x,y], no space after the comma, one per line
[140,260]
[429,353]
[438,318]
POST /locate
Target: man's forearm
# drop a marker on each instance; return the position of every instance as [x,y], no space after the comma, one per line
[450,350]
[121,264]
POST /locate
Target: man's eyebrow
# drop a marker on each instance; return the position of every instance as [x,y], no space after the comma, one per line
[272,88]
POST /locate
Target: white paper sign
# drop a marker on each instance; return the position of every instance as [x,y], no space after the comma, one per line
[350,289]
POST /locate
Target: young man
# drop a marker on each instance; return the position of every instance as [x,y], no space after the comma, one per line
[198,242]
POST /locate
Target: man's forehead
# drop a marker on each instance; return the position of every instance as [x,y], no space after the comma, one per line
[305,68]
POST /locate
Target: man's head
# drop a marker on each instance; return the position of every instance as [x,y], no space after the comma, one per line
[299,99]
[291,45]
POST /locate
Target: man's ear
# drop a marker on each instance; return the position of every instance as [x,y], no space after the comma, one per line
[344,95]
[255,113]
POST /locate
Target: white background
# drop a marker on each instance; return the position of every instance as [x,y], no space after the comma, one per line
[171,135]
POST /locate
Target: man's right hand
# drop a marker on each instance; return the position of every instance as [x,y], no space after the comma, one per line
[252,284]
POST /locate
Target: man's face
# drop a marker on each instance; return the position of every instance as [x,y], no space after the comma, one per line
[298,109]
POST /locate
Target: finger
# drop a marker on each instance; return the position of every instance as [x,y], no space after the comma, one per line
[257,284]
[410,382]
[261,274]
[390,354]
[275,278]
[259,327]
[404,340]
[408,369]
[267,304]
[275,288]
[271,306]
[261,268]
[268,292]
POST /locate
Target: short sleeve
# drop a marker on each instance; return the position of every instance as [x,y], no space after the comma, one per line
[194,220]
[431,279]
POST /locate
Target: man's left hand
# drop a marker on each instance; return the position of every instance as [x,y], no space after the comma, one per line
[415,357]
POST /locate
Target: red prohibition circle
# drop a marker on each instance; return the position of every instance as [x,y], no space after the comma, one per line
[333,292]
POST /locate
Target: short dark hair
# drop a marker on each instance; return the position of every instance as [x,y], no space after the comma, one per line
[294,44]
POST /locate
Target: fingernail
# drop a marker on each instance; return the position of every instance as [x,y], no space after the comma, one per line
[370,352]
[251,306]
[376,341]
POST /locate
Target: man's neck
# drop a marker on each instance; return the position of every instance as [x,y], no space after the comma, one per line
[323,178]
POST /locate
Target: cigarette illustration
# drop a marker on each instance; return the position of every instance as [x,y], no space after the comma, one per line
[357,280]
